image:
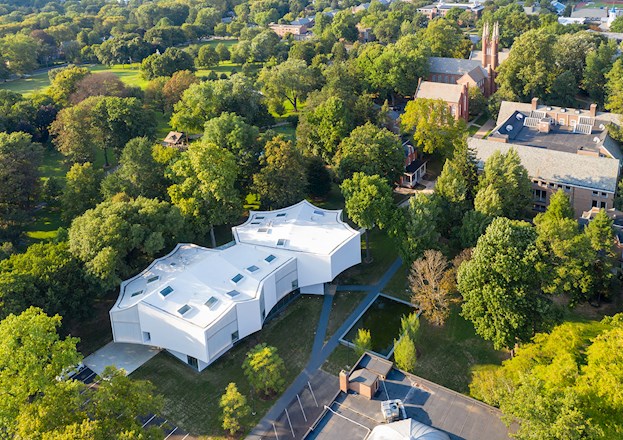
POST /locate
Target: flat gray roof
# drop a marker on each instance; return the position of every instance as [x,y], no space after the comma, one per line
[598,173]
[461,417]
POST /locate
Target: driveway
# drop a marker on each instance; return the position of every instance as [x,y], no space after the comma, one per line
[126,356]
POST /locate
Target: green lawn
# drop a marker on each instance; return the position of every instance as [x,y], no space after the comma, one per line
[343,305]
[288,131]
[191,398]
[446,355]
[334,200]
[398,286]
[383,251]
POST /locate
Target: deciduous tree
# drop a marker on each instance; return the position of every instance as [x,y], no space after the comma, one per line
[204,189]
[502,296]
[81,191]
[368,203]
[405,353]
[289,81]
[235,409]
[264,369]
[282,180]
[431,287]
[122,235]
[433,127]
[370,150]
[363,341]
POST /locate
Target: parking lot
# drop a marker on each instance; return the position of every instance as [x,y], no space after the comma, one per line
[352,416]
[171,432]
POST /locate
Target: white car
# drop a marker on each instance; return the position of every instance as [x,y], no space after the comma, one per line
[70,372]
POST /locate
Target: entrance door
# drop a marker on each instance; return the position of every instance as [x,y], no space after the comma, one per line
[193,362]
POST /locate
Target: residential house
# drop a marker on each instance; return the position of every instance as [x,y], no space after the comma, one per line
[176,139]
[561,148]
[196,303]
[296,30]
[415,167]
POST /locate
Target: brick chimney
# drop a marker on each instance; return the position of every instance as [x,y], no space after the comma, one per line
[593,110]
[535,103]
[344,381]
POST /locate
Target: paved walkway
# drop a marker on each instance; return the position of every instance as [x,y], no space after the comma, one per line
[320,352]
[126,356]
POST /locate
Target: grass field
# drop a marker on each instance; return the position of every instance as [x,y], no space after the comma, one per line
[446,355]
[343,305]
[191,398]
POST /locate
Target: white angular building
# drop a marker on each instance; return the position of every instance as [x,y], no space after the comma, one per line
[197,302]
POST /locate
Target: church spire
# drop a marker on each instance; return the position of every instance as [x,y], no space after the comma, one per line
[485,44]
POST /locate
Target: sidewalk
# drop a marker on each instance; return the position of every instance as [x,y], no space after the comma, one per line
[320,353]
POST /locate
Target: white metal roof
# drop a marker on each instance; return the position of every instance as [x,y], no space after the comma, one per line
[185,281]
[198,285]
[302,228]
[407,429]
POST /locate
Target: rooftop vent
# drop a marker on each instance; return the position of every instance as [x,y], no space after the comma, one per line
[563,110]
[184,309]
[133,294]
[166,291]
[602,126]
[281,242]
[253,268]
[577,112]
[211,303]
[152,279]
[270,258]
[519,116]
[237,278]
[596,139]
[509,128]
[233,293]
[549,109]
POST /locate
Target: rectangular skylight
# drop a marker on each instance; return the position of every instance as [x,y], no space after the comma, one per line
[233,293]
[211,303]
[270,258]
[184,309]
[281,242]
[136,293]
[318,212]
[253,268]
[152,279]
[256,223]
[262,230]
[259,217]
[283,214]
[237,278]
[166,291]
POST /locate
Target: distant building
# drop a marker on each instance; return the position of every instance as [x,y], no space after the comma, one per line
[176,139]
[441,9]
[473,72]
[455,95]
[283,30]
[562,148]
[196,303]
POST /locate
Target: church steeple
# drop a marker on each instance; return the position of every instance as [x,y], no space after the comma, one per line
[485,44]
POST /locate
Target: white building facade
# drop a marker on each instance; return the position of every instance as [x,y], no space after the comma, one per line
[197,303]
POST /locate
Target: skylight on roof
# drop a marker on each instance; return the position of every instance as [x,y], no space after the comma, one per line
[283,214]
[166,291]
[253,268]
[152,279]
[318,212]
[259,217]
[281,242]
[211,303]
[237,278]
[256,223]
[262,230]
[270,258]
[184,309]
[233,293]
[133,294]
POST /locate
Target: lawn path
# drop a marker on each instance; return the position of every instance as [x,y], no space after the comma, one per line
[318,356]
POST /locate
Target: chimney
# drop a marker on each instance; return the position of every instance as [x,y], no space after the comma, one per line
[593,110]
[535,103]
[344,381]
